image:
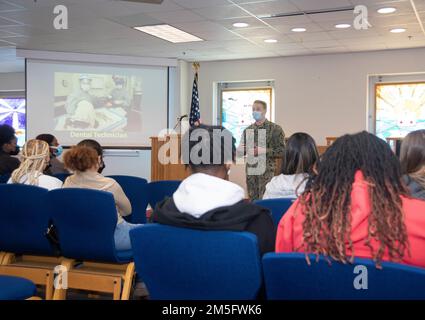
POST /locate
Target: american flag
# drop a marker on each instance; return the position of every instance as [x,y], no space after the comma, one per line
[195,114]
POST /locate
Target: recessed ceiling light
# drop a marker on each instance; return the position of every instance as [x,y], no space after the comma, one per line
[169,33]
[270,41]
[298,29]
[398,30]
[342,26]
[240,25]
[387,10]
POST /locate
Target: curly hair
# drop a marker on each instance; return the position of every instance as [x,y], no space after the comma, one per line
[327,200]
[80,158]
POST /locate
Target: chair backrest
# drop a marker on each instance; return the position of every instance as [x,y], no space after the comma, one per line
[277,207]
[62,176]
[136,189]
[159,190]
[4,178]
[289,277]
[85,220]
[24,219]
[187,264]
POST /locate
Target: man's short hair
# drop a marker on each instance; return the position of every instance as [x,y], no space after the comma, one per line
[208,146]
[263,103]
[7,134]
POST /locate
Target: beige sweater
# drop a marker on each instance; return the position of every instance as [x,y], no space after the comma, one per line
[94,180]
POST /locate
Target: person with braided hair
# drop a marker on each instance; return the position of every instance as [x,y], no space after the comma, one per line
[35,158]
[356,206]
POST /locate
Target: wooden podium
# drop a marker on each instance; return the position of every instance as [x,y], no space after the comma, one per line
[166,161]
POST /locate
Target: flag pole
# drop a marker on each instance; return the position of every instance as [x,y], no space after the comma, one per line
[196,66]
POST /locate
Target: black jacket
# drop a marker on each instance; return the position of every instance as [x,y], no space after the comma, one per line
[8,163]
[242,216]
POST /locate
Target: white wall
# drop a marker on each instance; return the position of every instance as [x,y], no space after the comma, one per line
[324,95]
[12,81]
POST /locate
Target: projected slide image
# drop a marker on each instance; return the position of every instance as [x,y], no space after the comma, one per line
[400,109]
[97,102]
[12,113]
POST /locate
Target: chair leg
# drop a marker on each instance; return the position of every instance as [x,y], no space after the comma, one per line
[59,293]
[117,289]
[128,281]
[1,257]
[49,285]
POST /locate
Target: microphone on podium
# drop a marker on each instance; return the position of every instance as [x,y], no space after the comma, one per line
[179,120]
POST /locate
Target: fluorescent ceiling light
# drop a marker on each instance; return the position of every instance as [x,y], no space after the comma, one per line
[342,26]
[169,33]
[298,29]
[240,25]
[270,41]
[398,30]
[386,10]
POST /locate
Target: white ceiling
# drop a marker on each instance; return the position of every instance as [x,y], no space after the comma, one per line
[104,26]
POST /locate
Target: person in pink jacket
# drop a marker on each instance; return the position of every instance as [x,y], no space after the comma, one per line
[356,206]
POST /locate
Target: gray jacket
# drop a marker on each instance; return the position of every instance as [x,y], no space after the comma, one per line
[415,188]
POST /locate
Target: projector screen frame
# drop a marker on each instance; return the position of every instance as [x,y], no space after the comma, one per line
[102,62]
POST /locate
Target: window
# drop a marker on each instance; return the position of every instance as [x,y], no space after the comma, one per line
[236,104]
[13,113]
[396,105]
[400,109]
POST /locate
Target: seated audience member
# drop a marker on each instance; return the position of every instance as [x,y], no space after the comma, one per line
[356,206]
[56,166]
[8,148]
[206,199]
[99,150]
[84,162]
[299,157]
[35,158]
[412,158]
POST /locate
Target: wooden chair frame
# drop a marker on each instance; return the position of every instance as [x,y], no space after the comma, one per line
[116,279]
[38,269]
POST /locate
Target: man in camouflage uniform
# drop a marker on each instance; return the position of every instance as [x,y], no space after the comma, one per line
[267,150]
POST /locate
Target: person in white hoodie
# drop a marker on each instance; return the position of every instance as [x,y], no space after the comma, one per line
[206,200]
[298,161]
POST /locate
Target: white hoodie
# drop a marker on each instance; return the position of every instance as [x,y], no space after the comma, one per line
[285,186]
[200,193]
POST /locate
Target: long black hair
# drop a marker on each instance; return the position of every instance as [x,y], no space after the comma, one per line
[300,154]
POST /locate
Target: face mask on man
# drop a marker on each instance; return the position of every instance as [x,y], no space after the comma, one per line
[57,150]
[102,166]
[257,115]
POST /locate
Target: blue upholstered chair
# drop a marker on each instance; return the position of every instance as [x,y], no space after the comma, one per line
[277,207]
[14,288]
[86,221]
[24,219]
[187,264]
[159,190]
[289,277]
[136,189]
